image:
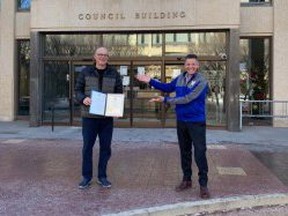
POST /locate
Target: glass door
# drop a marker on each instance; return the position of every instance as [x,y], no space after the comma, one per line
[124,69]
[56,104]
[172,70]
[144,113]
[215,73]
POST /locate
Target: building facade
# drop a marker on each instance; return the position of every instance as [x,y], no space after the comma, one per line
[44,45]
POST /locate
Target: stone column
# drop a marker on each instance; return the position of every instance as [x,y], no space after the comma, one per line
[36,84]
[232,89]
[7,61]
[280,64]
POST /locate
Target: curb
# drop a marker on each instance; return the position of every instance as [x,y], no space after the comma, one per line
[210,206]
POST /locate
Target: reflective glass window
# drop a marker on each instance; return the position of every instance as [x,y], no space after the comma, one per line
[23,4]
[255,2]
[202,43]
[23,77]
[118,44]
[255,68]
[56,91]
[215,73]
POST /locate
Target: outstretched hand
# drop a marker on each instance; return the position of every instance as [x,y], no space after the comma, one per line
[143,78]
[158,99]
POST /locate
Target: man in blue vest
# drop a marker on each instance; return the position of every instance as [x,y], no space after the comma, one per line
[191,89]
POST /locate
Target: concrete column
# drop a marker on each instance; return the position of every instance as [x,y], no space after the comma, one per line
[280,63]
[7,61]
[36,84]
[232,89]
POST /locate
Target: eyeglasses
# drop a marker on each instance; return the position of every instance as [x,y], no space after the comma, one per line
[102,55]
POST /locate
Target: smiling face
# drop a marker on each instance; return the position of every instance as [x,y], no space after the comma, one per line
[191,65]
[101,57]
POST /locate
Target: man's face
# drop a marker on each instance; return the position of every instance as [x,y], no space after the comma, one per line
[101,56]
[191,65]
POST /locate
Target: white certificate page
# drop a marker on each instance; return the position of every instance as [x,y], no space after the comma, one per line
[98,103]
[115,105]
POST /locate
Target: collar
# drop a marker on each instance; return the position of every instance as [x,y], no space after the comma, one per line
[189,77]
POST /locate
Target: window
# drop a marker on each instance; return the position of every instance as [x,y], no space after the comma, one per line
[23,47]
[23,5]
[118,44]
[255,68]
[202,43]
[256,2]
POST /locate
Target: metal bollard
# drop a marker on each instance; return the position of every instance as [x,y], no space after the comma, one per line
[52,118]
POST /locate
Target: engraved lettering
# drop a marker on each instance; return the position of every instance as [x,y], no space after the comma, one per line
[103,16]
[175,15]
[81,16]
[95,16]
[88,16]
[156,16]
[110,16]
[137,15]
[182,14]
[168,15]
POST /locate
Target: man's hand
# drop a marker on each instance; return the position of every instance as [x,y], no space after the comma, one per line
[87,101]
[158,99]
[143,78]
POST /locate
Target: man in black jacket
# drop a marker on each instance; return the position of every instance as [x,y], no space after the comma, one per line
[103,78]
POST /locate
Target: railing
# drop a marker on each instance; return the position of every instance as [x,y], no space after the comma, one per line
[263,109]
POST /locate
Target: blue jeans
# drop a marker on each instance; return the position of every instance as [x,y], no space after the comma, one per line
[193,133]
[91,128]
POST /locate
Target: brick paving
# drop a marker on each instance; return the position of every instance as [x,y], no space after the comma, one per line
[40,177]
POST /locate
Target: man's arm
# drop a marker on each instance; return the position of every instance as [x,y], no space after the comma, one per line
[164,87]
[198,89]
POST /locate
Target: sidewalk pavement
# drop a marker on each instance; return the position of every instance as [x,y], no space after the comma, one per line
[258,135]
[40,171]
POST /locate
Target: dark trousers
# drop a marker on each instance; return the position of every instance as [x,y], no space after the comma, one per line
[91,128]
[193,133]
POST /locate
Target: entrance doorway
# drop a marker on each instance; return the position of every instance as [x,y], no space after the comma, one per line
[59,97]
[138,112]
[160,55]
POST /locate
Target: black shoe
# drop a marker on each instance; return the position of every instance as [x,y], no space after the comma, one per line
[104,182]
[85,183]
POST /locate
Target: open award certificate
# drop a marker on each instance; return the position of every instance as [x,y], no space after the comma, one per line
[107,104]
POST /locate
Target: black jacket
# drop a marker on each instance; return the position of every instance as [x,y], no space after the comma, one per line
[88,80]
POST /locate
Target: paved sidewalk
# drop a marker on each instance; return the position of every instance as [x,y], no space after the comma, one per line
[40,171]
[265,136]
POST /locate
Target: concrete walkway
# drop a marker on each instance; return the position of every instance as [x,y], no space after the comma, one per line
[265,136]
[40,171]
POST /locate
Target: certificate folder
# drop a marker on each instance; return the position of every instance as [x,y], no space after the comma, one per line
[107,104]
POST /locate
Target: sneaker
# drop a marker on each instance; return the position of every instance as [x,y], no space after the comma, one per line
[104,182]
[85,183]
